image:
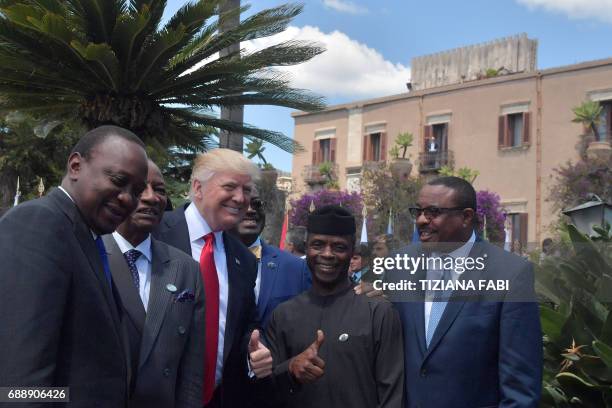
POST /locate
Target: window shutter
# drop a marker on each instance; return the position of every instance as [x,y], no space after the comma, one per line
[526,127]
[501,141]
[427,132]
[444,143]
[608,135]
[523,228]
[315,152]
[383,146]
[332,150]
[366,148]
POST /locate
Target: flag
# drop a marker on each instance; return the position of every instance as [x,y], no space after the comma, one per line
[484,227]
[17,194]
[390,223]
[364,228]
[415,233]
[283,237]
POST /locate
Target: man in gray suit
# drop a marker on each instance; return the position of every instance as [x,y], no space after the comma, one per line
[59,313]
[161,292]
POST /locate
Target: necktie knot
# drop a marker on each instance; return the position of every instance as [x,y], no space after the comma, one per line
[132,255]
[256,250]
[208,238]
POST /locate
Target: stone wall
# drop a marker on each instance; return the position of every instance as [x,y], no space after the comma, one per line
[506,55]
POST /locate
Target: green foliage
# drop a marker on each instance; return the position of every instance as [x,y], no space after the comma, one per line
[268,166]
[588,113]
[491,72]
[577,323]
[113,61]
[326,170]
[255,148]
[383,192]
[403,141]
[394,152]
[31,151]
[464,172]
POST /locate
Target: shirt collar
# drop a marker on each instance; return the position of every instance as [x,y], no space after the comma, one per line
[144,247]
[256,243]
[464,250]
[198,227]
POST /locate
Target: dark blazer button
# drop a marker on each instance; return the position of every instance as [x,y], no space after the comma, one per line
[423,372]
[181,330]
[166,372]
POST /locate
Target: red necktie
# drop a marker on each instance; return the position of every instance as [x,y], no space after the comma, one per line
[211,291]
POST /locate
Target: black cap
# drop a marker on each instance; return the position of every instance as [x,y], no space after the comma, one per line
[331,220]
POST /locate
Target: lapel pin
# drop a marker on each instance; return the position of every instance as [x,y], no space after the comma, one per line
[237,261]
[171,288]
[271,265]
[343,337]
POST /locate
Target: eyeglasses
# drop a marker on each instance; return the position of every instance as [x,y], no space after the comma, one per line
[258,204]
[432,212]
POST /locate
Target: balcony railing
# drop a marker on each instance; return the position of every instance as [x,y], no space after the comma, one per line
[312,173]
[433,161]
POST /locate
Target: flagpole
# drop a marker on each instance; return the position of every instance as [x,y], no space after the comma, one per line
[364,227]
[17,194]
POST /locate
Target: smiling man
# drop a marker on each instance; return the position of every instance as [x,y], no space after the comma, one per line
[485,349]
[221,184]
[332,347]
[163,298]
[61,326]
[280,275]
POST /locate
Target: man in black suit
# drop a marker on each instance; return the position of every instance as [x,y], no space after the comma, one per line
[221,184]
[161,292]
[61,322]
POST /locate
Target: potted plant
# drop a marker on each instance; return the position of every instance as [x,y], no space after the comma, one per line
[589,113]
[255,148]
[401,165]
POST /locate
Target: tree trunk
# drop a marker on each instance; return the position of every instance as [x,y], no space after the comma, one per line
[227,139]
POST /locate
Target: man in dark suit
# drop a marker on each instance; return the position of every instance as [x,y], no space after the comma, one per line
[468,348]
[61,322]
[161,292]
[280,275]
[221,185]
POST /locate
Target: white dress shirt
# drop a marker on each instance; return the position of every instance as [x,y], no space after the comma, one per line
[143,264]
[258,280]
[198,227]
[461,252]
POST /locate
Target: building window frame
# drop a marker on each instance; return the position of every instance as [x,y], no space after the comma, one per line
[508,135]
[374,147]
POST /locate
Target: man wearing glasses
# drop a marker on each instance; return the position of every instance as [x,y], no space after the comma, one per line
[467,349]
[280,275]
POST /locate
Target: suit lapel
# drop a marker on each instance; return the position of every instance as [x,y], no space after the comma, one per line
[269,268]
[454,306]
[233,277]
[162,273]
[122,277]
[174,230]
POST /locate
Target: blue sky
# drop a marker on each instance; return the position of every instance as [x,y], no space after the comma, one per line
[388,34]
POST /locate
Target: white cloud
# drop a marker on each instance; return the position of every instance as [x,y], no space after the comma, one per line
[345,6]
[598,9]
[347,70]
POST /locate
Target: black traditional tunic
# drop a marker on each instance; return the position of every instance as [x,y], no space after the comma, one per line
[363,351]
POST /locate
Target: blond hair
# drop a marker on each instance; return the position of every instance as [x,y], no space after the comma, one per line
[208,164]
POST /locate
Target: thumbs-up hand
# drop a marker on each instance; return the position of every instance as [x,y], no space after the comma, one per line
[307,366]
[259,356]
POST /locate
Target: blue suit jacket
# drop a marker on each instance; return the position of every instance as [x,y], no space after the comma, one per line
[283,276]
[483,353]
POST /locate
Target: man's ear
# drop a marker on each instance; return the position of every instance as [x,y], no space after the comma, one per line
[468,216]
[196,187]
[75,162]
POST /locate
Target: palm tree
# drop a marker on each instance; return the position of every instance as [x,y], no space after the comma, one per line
[588,113]
[255,148]
[112,61]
